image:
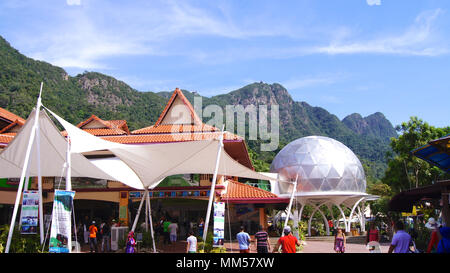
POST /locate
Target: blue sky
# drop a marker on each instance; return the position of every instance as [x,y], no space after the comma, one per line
[346,56]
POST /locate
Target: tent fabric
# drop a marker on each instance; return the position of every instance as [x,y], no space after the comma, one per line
[119,170]
[154,162]
[53,148]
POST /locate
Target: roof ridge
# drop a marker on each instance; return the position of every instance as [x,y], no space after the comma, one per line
[186,102]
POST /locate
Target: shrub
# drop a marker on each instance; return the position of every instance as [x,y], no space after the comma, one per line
[29,243]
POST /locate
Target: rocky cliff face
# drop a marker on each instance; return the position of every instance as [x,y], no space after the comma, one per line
[76,98]
[373,125]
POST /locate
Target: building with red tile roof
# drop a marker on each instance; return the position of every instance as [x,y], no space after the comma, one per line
[178,122]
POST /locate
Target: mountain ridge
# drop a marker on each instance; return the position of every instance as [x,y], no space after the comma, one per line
[77,97]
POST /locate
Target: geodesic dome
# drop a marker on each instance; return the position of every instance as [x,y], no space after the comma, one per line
[322,165]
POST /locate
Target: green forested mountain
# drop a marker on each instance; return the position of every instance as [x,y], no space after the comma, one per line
[76,98]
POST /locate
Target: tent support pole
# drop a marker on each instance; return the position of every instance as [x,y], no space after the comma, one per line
[24,171]
[290,204]
[69,166]
[41,207]
[213,187]
[150,218]
[138,212]
[146,216]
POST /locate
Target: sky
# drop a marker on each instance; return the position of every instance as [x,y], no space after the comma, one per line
[347,56]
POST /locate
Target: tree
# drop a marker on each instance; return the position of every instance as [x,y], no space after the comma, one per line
[406,171]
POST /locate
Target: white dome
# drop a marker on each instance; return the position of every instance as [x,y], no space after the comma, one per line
[322,164]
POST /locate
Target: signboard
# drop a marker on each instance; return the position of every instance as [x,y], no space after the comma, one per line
[29,213]
[219,224]
[60,234]
[413,213]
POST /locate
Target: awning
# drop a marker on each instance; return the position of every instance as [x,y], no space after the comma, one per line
[436,152]
[404,201]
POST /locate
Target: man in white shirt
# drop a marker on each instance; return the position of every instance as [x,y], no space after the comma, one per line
[191,243]
[173,228]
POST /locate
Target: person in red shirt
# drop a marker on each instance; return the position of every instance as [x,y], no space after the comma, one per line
[373,234]
[93,237]
[434,240]
[288,242]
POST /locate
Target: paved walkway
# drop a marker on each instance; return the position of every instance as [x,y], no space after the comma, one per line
[313,245]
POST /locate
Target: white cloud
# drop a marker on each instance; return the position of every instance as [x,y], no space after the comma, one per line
[419,39]
[373,2]
[73,2]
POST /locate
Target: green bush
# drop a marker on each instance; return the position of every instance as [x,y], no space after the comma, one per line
[29,243]
[207,247]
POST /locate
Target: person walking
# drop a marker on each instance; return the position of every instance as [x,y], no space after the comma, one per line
[262,241]
[106,237]
[244,241]
[372,234]
[288,242]
[191,243]
[340,241]
[93,237]
[166,224]
[434,237]
[131,243]
[444,242]
[400,240]
[201,225]
[173,229]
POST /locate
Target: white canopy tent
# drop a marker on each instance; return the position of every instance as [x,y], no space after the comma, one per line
[53,149]
[154,162]
[138,166]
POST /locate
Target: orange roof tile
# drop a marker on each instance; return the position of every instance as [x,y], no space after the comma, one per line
[6,138]
[175,94]
[175,128]
[10,116]
[237,191]
[112,127]
[164,138]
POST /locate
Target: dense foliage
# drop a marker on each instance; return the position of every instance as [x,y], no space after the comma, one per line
[76,98]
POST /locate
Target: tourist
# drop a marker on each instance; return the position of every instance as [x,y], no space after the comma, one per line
[191,243]
[131,243]
[86,229]
[244,241]
[201,225]
[434,238]
[288,242]
[340,242]
[331,226]
[400,240]
[173,228]
[444,243]
[372,234]
[159,229]
[106,235]
[262,241]
[93,237]
[166,224]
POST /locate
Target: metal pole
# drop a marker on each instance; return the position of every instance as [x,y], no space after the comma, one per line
[69,166]
[38,151]
[138,212]
[41,210]
[151,222]
[213,187]
[22,179]
[290,203]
